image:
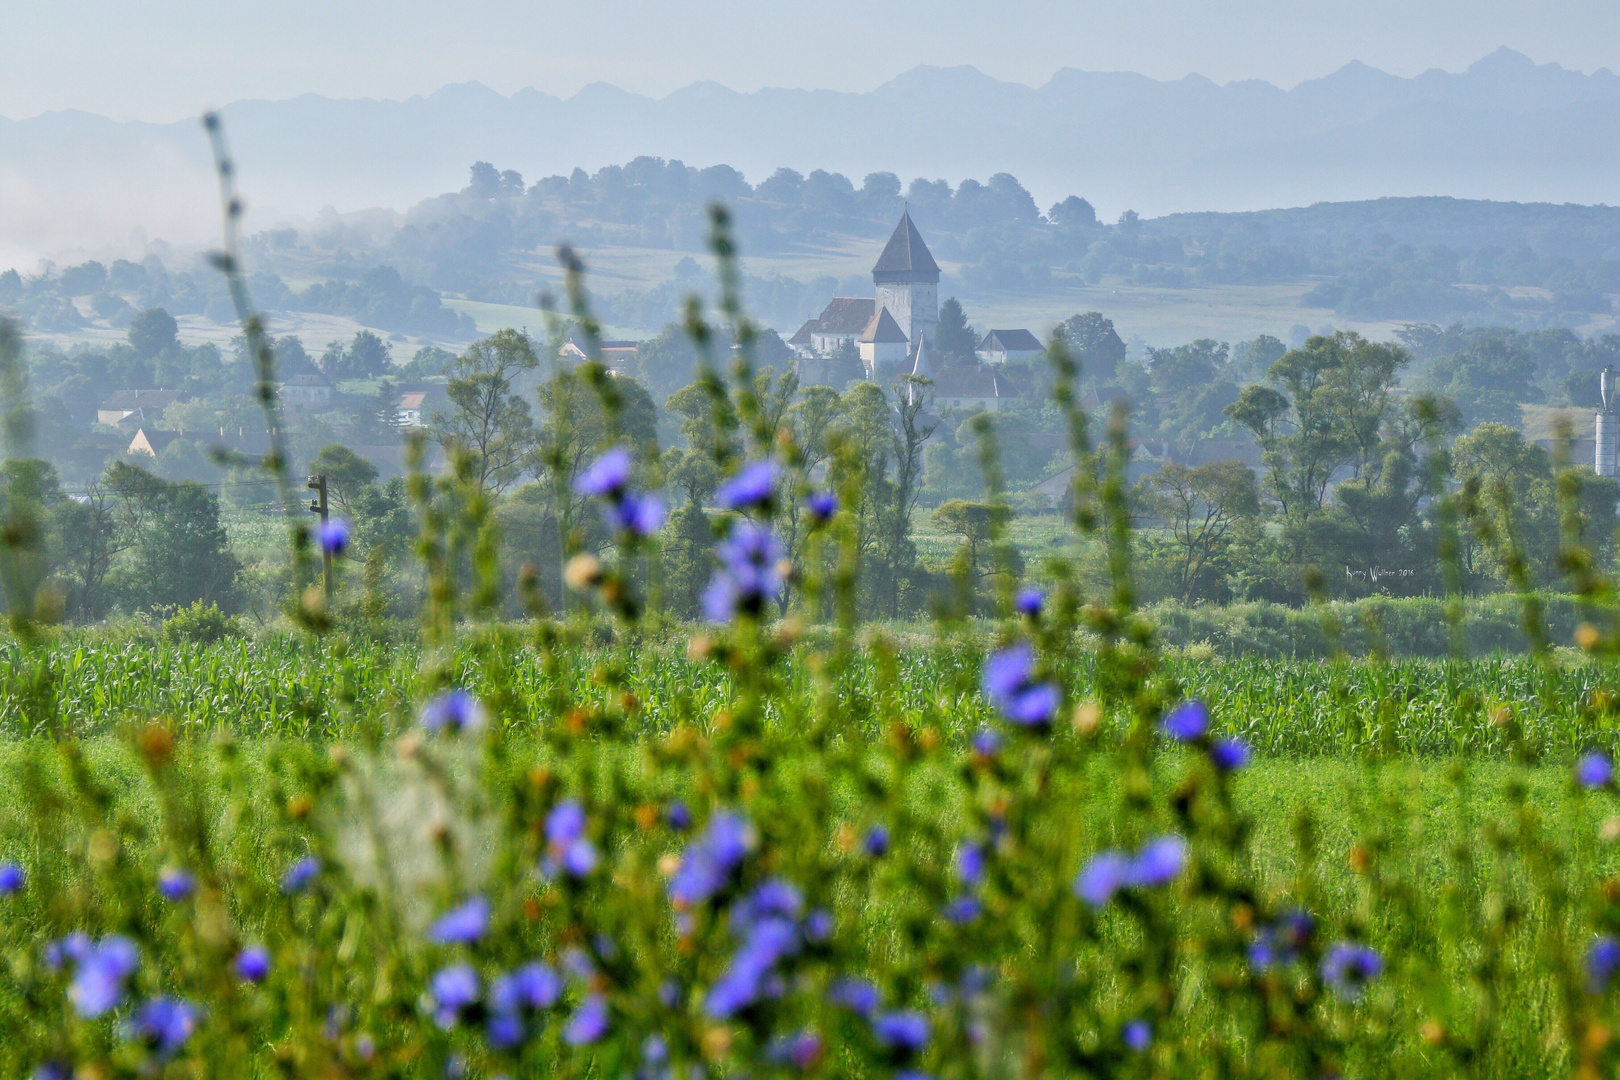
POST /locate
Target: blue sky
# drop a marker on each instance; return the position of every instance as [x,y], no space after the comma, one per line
[168,59]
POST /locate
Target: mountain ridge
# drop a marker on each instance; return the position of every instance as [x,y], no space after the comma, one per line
[1506,128]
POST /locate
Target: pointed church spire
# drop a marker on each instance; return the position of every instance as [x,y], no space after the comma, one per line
[905,257]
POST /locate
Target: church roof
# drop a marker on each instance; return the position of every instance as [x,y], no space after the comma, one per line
[973,381]
[1010,341]
[846,315]
[883,330]
[905,257]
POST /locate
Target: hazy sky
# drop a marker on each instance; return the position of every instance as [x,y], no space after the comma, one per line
[168,59]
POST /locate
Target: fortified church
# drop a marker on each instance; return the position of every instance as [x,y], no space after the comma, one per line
[894,331]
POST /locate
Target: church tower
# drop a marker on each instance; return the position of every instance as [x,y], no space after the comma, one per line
[907,280]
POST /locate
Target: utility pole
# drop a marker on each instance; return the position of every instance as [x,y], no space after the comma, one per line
[318,506]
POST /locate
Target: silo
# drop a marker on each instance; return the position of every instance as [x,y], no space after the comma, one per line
[1608,426]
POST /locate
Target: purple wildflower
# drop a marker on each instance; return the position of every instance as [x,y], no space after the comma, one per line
[986,742]
[1348,967]
[637,515]
[678,816]
[748,577]
[454,709]
[300,874]
[98,983]
[751,489]
[876,842]
[453,991]
[709,861]
[162,1025]
[802,1050]
[857,995]
[1158,863]
[1008,681]
[1102,877]
[588,1023]
[569,848]
[1029,601]
[902,1033]
[504,1030]
[333,536]
[1187,721]
[606,477]
[253,964]
[1229,755]
[175,884]
[463,925]
[12,879]
[818,926]
[530,988]
[963,910]
[970,863]
[1137,1035]
[1602,961]
[823,505]
[1594,770]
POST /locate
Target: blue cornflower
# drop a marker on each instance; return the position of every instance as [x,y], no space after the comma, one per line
[818,926]
[669,993]
[1280,944]
[1029,601]
[748,577]
[1104,875]
[606,477]
[1187,721]
[901,1033]
[162,1025]
[963,910]
[300,874]
[823,505]
[52,1070]
[1229,755]
[504,1030]
[452,992]
[570,850]
[588,1023]
[751,489]
[707,865]
[333,536]
[970,863]
[654,1050]
[678,816]
[463,925]
[454,709]
[1158,863]
[75,947]
[638,515]
[1602,961]
[986,742]
[1348,967]
[530,988]
[876,843]
[12,879]
[775,898]
[1594,770]
[253,964]
[857,995]
[98,982]
[1137,1035]
[802,1050]
[1008,680]
[175,884]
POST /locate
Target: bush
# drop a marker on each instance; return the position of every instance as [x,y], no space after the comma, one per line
[201,625]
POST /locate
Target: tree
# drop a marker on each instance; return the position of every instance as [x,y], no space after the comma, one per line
[1203,507]
[489,420]
[181,553]
[153,331]
[346,473]
[1073,213]
[954,340]
[1488,380]
[1095,344]
[366,357]
[975,522]
[1328,410]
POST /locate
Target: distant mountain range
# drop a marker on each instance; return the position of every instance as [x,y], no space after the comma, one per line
[1505,129]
